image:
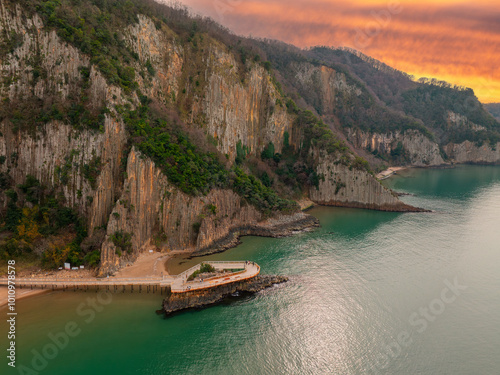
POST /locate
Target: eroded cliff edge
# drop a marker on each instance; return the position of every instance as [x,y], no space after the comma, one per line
[345,186]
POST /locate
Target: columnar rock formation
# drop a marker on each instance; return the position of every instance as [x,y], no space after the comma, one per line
[347,187]
[421,151]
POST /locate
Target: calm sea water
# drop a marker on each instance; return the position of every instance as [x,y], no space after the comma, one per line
[370,292]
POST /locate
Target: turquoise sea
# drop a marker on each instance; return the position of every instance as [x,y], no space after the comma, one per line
[370,293]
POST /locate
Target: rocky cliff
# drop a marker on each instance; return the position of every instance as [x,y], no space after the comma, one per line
[157,215]
[43,71]
[252,114]
[469,152]
[419,150]
[328,86]
[344,186]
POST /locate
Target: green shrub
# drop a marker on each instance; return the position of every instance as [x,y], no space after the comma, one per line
[92,171]
[122,242]
[196,227]
[204,268]
[241,152]
[268,151]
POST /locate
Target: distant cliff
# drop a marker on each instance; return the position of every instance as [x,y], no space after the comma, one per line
[350,187]
[494,109]
[387,115]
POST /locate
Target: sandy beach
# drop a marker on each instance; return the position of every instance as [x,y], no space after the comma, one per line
[148,264]
[389,172]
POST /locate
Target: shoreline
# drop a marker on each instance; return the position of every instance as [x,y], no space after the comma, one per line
[20,294]
[278,227]
[389,172]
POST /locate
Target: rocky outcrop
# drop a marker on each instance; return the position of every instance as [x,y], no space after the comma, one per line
[251,113]
[46,70]
[457,121]
[176,302]
[156,214]
[276,227]
[37,51]
[420,150]
[326,83]
[160,59]
[57,156]
[348,187]
[469,152]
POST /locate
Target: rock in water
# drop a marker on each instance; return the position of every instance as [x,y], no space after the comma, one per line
[201,298]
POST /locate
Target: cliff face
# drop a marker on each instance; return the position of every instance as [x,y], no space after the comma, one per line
[420,150]
[43,69]
[468,152]
[249,113]
[326,83]
[345,187]
[231,108]
[160,216]
[158,50]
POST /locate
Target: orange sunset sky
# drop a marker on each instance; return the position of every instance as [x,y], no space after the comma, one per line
[453,40]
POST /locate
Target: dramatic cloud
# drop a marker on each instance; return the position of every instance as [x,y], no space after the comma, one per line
[458,41]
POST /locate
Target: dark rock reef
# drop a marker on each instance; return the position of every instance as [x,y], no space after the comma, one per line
[176,302]
[277,227]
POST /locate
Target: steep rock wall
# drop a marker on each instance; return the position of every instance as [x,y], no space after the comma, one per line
[469,152]
[55,153]
[158,50]
[230,109]
[157,214]
[57,63]
[151,206]
[326,84]
[345,187]
[421,150]
[249,112]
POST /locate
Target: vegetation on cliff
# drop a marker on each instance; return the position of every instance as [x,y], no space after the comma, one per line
[37,223]
[494,109]
[425,103]
[192,170]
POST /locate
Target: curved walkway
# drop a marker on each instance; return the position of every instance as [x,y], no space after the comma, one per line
[181,285]
[178,284]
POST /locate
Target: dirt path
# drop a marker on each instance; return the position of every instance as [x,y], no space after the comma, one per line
[148,264]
